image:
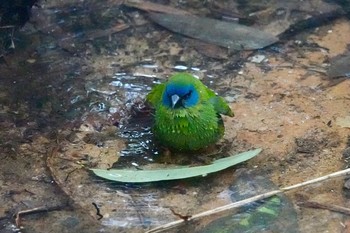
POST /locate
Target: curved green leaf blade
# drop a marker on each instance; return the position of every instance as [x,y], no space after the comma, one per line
[141,176]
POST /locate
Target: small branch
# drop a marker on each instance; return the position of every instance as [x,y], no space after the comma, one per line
[248,200]
[98,213]
[184,217]
[69,173]
[319,179]
[35,211]
[331,207]
[94,34]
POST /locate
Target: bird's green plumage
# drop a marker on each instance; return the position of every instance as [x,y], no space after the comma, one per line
[192,124]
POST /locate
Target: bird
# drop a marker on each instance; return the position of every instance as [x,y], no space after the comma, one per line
[187,114]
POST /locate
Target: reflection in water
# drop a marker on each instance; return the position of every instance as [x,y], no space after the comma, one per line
[274,214]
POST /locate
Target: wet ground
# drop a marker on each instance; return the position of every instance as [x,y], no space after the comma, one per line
[72,94]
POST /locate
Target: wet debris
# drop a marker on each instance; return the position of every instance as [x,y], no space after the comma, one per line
[315,140]
[210,50]
[346,158]
[311,22]
[307,145]
[98,213]
[325,206]
[226,34]
[258,58]
[222,11]
[267,22]
[339,66]
[13,15]
[41,209]
[183,217]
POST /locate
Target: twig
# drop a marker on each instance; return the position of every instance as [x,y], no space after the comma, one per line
[98,213]
[69,173]
[184,217]
[248,200]
[331,207]
[7,26]
[35,211]
[95,34]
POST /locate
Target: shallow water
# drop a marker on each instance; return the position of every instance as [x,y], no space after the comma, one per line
[72,97]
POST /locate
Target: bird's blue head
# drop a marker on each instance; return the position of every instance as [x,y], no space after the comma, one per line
[180,95]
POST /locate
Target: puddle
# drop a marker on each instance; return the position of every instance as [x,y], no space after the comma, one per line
[72,97]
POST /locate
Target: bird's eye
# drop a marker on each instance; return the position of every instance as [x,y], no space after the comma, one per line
[186,96]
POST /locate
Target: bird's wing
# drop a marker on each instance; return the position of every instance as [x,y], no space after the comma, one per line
[219,103]
[155,95]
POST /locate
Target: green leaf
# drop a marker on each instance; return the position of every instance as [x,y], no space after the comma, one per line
[141,176]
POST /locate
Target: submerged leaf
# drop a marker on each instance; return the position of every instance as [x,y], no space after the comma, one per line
[274,214]
[227,34]
[140,176]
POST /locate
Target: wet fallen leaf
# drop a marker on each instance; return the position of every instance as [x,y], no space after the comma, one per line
[227,34]
[141,176]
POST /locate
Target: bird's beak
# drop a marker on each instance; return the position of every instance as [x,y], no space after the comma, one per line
[174,100]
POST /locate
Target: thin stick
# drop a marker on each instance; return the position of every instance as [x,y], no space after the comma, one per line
[36,210]
[317,205]
[248,200]
[7,26]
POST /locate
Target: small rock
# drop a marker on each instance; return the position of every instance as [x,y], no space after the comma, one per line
[257,58]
